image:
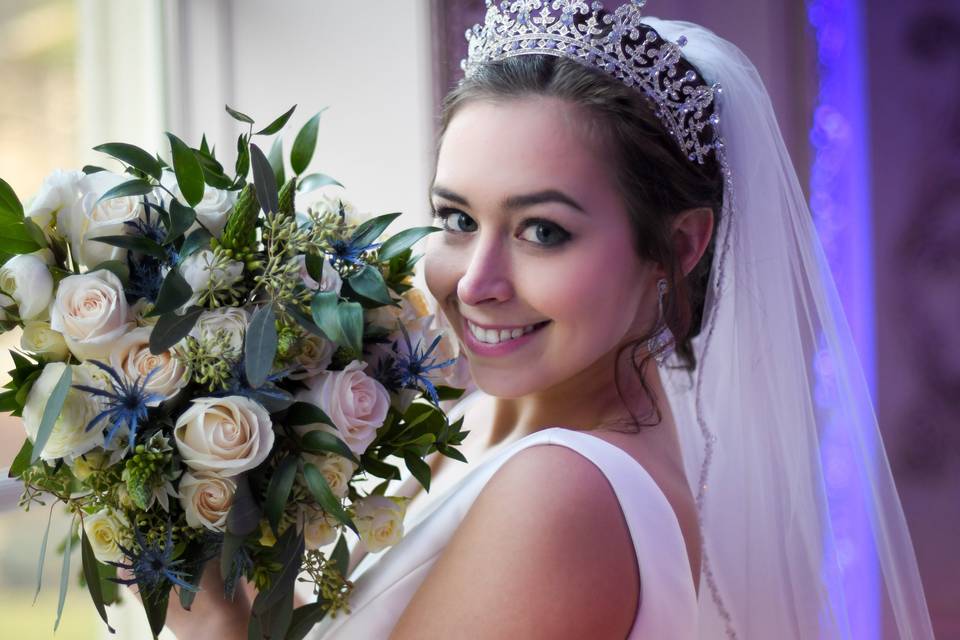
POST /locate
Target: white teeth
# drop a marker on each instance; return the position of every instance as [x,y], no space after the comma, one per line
[493,336]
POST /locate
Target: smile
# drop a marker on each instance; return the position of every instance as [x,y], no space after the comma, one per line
[500,335]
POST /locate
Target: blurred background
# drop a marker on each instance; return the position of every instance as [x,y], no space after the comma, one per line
[867,95]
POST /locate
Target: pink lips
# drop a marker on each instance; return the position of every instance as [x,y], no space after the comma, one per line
[493,350]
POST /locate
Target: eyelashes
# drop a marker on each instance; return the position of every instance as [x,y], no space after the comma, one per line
[547,234]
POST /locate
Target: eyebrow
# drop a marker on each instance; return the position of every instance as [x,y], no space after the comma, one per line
[517,201]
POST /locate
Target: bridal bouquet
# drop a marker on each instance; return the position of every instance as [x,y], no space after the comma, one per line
[208,373]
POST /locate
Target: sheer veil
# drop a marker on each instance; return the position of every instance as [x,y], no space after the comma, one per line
[776,374]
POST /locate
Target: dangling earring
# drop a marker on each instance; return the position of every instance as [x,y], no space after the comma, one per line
[661,344]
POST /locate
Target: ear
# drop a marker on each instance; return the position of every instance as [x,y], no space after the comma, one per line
[692,230]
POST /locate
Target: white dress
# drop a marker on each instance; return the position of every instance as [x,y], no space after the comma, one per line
[385,584]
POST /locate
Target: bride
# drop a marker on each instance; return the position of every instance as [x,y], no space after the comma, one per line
[631,270]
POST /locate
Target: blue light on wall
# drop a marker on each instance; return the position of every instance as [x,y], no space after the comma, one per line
[840,202]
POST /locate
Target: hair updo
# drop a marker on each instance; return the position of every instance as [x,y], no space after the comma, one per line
[622,119]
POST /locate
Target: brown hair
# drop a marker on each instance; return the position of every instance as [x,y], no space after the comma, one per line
[642,152]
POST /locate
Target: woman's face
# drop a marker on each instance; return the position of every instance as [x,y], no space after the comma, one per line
[535,268]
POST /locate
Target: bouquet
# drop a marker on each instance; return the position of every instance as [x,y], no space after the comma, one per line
[209,374]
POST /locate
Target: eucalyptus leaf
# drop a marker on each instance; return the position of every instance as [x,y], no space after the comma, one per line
[277,124]
[65,572]
[135,187]
[171,329]
[278,491]
[369,230]
[244,516]
[324,442]
[324,496]
[242,117]
[304,619]
[181,218]
[92,575]
[133,156]
[350,315]
[135,243]
[368,282]
[260,345]
[264,180]
[51,411]
[276,160]
[195,240]
[174,292]
[187,169]
[304,145]
[395,245]
[324,310]
[43,554]
[316,181]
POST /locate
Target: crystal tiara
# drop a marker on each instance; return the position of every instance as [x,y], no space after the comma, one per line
[612,43]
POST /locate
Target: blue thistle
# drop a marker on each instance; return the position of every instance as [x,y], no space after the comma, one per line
[410,367]
[146,276]
[348,252]
[127,403]
[153,567]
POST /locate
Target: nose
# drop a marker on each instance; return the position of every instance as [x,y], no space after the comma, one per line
[487,277]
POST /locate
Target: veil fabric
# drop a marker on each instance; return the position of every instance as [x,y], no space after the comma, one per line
[777,375]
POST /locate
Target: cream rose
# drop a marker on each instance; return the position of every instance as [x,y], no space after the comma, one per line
[213,208]
[232,321]
[198,270]
[227,435]
[314,357]
[329,204]
[319,529]
[69,437]
[59,192]
[107,530]
[132,358]
[91,312]
[356,403]
[89,219]
[379,520]
[336,470]
[206,498]
[6,302]
[330,279]
[39,338]
[27,280]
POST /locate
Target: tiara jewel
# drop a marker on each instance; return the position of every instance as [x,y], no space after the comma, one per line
[617,43]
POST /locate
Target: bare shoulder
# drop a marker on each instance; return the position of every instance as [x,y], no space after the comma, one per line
[543,552]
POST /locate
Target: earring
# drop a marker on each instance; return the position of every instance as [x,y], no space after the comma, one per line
[661,344]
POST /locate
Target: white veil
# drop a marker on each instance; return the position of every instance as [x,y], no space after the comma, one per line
[777,371]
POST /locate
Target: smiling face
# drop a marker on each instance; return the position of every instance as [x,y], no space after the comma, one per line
[536,244]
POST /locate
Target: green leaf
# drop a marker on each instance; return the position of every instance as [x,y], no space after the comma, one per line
[244,516]
[133,156]
[368,282]
[380,468]
[302,413]
[449,393]
[324,496]
[369,230]
[174,293]
[135,187]
[51,411]
[171,329]
[260,345]
[304,321]
[228,552]
[350,315]
[187,169]
[35,232]
[324,442]
[92,575]
[276,160]
[264,181]
[324,310]
[243,158]
[65,572]
[195,240]
[316,181]
[341,556]
[181,218]
[135,243]
[10,207]
[419,469]
[118,268]
[43,554]
[289,556]
[395,245]
[304,145]
[314,266]
[281,483]
[212,170]
[276,125]
[155,607]
[21,461]
[92,168]
[242,117]
[305,618]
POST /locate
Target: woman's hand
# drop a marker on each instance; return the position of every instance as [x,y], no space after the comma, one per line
[211,615]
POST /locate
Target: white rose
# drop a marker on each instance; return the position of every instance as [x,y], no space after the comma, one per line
[330,279]
[131,357]
[59,192]
[198,270]
[330,204]
[27,279]
[107,530]
[39,338]
[356,403]
[91,312]
[88,220]
[206,498]
[69,437]
[227,435]
[213,208]
[336,470]
[314,356]
[232,321]
[379,520]
[6,302]
[319,529]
